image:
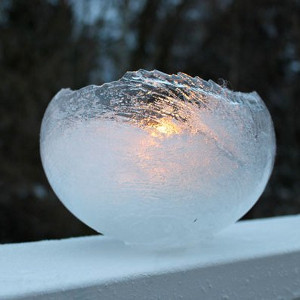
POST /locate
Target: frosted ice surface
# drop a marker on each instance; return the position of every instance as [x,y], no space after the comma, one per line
[155,158]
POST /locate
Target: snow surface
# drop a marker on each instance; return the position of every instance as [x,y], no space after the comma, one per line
[59,266]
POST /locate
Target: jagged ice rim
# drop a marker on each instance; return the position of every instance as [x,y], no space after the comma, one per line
[183,81]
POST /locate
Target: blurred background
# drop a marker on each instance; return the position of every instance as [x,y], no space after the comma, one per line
[46,45]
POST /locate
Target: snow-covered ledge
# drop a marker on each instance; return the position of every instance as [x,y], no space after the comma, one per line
[257,259]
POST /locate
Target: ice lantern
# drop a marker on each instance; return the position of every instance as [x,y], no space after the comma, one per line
[157,159]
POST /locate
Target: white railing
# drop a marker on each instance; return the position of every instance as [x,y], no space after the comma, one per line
[257,259]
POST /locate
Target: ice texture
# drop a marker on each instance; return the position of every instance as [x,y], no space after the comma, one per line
[157,159]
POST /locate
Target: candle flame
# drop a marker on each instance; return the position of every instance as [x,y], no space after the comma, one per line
[164,127]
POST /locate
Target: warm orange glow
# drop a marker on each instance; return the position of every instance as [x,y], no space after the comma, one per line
[164,127]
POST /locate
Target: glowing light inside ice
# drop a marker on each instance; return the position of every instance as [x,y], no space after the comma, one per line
[157,159]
